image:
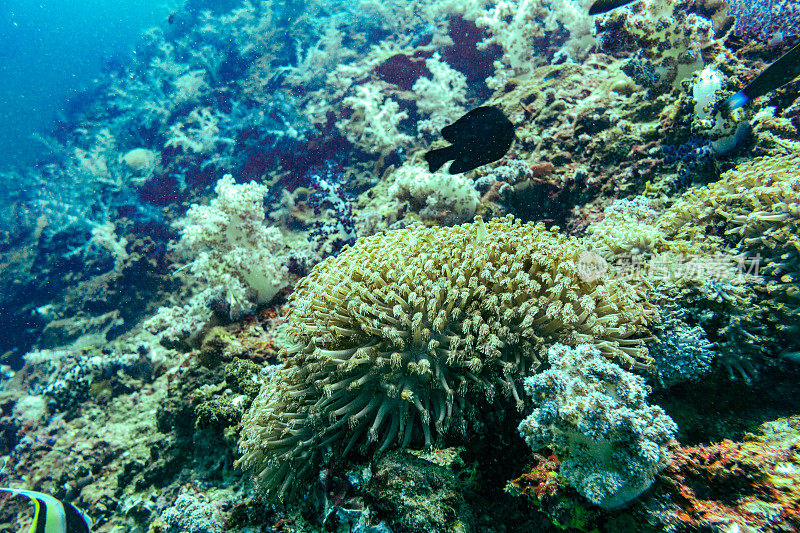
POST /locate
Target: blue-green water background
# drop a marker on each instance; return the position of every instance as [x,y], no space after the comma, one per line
[52,50]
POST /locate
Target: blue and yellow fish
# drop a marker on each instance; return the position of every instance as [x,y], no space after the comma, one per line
[53,516]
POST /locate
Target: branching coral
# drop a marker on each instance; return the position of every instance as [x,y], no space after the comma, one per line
[399,337]
[593,413]
[202,136]
[178,322]
[189,87]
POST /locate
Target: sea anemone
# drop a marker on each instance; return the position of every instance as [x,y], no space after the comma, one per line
[399,339]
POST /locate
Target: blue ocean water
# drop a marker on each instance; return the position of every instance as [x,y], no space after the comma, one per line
[51,50]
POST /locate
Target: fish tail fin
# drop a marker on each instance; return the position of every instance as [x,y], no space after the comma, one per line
[737,100]
[39,517]
[438,157]
[76,519]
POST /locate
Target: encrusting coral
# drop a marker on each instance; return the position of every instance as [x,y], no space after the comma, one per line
[400,337]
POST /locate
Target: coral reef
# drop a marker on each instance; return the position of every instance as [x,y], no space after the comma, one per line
[441,97]
[680,352]
[230,248]
[372,126]
[745,485]
[514,25]
[420,493]
[669,40]
[626,229]
[766,21]
[190,514]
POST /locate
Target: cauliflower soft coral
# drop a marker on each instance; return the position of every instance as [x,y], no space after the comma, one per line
[373,124]
[444,198]
[593,413]
[234,250]
[515,24]
[441,97]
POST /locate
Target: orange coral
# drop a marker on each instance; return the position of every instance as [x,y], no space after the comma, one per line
[753,483]
[543,479]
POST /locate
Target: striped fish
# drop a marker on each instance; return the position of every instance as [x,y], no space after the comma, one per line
[53,516]
[604,6]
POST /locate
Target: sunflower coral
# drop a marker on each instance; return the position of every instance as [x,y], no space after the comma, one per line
[400,338]
[753,209]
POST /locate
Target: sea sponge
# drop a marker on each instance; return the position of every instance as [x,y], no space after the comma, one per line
[400,337]
[139,160]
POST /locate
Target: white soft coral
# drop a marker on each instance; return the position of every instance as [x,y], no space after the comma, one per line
[237,258]
[373,126]
[233,247]
[445,198]
[441,97]
[201,133]
[515,25]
